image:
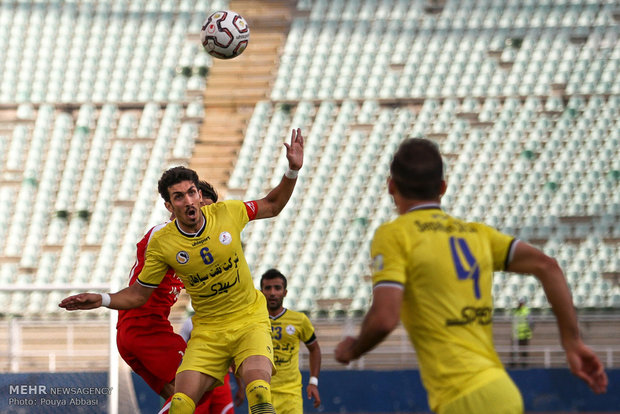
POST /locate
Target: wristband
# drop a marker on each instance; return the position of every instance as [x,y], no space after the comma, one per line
[105,299]
[292,174]
[313,381]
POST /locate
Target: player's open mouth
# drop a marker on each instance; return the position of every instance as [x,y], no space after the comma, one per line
[191,212]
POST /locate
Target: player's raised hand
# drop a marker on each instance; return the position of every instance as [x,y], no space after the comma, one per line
[82,301]
[295,150]
[585,364]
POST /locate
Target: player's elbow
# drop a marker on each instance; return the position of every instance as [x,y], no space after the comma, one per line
[140,301]
[545,266]
[386,323]
[133,301]
[390,324]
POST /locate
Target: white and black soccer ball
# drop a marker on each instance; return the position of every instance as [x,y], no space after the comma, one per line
[225,34]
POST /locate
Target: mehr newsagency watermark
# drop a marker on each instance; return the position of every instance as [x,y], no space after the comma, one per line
[28,395]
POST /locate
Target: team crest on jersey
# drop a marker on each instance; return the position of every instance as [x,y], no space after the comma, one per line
[290,329]
[377,263]
[225,238]
[182,257]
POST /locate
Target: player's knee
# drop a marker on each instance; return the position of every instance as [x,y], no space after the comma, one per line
[181,404]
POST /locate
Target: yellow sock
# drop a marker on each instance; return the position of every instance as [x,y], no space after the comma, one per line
[181,404]
[258,394]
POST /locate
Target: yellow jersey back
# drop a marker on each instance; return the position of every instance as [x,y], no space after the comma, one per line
[445,267]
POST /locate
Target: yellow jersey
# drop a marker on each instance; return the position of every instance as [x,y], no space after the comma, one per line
[287,330]
[210,263]
[444,266]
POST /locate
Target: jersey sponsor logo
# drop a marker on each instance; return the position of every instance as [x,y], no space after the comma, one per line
[175,292]
[199,242]
[436,226]
[290,329]
[221,287]
[377,263]
[471,314]
[182,257]
[225,238]
[196,279]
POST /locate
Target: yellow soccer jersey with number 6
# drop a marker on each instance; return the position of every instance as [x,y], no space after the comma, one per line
[210,263]
[288,329]
[445,267]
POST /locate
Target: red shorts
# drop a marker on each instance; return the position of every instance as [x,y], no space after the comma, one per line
[151,348]
[220,401]
[217,401]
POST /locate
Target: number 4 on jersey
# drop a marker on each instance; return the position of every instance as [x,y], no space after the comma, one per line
[468,270]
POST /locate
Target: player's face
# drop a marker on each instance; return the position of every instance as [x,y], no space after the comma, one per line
[274,293]
[185,202]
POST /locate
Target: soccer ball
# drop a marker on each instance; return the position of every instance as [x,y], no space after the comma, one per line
[225,34]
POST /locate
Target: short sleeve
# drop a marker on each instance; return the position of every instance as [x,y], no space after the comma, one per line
[501,247]
[388,257]
[307,330]
[155,267]
[237,209]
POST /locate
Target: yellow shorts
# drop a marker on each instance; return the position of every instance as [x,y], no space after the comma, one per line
[500,396]
[287,403]
[212,351]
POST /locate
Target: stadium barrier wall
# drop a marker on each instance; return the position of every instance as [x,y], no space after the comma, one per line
[351,391]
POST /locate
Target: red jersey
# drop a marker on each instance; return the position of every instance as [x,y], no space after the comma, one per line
[164,296]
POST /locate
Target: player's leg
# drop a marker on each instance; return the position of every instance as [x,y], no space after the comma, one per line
[221,400]
[253,358]
[189,389]
[203,406]
[157,365]
[255,371]
[204,366]
[524,344]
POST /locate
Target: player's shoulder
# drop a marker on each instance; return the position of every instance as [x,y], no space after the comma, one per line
[390,228]
[220,206]
[152,231]
[160,230]
[295,315]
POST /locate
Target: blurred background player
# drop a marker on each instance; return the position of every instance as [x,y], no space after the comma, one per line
[145,338]
[521,333]
[288,328]
[203,245]
[436,271]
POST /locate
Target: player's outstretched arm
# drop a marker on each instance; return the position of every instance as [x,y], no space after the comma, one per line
[582,361]
[131,297]
[381,319]
[274,202]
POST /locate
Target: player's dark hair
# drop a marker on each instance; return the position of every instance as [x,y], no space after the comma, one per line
[207,190]
[272,274]
[174,176]
[417,169]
